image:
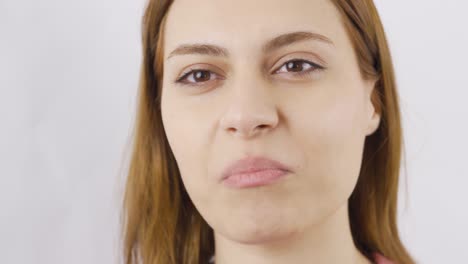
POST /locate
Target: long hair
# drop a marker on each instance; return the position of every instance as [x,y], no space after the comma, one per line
[160,224]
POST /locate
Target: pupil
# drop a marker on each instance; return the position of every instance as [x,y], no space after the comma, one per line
[201,75]
[292,64]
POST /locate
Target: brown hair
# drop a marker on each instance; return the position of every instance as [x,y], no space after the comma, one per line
[160,223]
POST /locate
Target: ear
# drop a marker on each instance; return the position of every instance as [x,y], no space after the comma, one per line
[372,109]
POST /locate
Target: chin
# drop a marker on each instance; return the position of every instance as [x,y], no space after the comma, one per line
[262,232]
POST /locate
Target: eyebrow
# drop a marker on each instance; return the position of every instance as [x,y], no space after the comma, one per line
[270,46]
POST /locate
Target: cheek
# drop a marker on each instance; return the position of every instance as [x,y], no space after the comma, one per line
[332,143]
[186,132]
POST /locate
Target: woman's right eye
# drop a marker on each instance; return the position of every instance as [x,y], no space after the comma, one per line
[196,77]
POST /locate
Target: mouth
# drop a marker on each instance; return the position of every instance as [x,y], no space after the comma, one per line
[254,172]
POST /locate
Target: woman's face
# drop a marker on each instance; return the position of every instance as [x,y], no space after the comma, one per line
[299,100]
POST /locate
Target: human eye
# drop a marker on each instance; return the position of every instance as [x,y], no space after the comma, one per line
[300,67]
[197,77]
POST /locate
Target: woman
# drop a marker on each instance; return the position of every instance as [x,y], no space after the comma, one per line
[268,131]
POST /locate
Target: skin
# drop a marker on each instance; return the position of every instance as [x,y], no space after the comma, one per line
[251,103]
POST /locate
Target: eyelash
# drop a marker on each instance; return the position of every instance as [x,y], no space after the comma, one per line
[315,68]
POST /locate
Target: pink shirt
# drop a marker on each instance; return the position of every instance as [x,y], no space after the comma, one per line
[378,258]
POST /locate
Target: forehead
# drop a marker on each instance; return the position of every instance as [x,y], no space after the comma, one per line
[245,24]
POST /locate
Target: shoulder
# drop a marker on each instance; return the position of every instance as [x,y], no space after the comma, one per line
[381,259]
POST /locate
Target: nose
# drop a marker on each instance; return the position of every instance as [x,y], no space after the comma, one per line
[251,112]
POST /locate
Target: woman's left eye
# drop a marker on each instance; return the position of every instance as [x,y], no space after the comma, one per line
[298,68]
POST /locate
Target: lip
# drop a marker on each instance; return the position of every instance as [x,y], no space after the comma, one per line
[253,171]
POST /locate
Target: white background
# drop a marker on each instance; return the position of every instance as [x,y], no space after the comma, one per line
[68,78]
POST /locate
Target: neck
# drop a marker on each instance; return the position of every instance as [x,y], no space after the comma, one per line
[327,242]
